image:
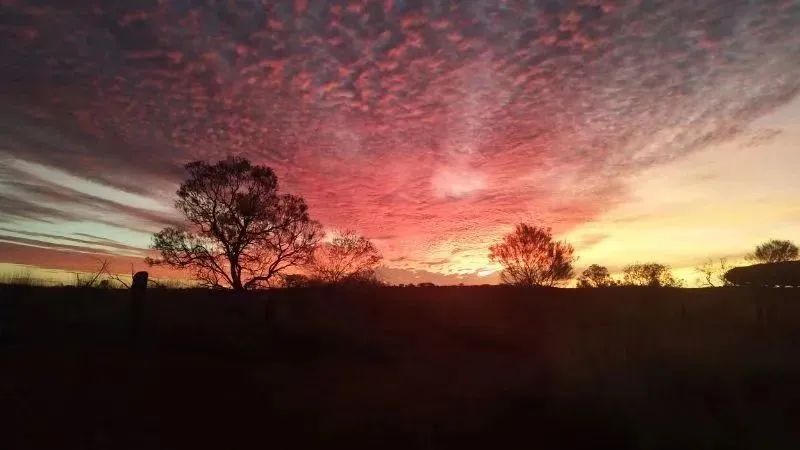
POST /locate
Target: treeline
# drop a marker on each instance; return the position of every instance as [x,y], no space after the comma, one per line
[242,234]
[530,257]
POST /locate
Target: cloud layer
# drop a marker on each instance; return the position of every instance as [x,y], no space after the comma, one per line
[429,126]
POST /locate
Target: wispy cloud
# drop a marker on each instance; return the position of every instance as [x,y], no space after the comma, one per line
[33,192]
[103,245]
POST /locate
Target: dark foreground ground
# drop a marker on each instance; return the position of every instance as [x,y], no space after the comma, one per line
[426,368]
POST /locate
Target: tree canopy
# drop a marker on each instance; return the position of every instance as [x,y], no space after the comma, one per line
[774,251]
[530,257]
[649,274]
[595,276]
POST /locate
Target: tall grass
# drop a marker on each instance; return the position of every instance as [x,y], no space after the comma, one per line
[23,279]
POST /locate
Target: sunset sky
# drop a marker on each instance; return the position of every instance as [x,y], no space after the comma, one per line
[641,130]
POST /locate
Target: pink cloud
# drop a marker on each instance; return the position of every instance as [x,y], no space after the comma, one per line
[434,127]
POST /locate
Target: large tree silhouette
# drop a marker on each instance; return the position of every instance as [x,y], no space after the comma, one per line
[774,251]
[530,257]
[347,256]
[241,232]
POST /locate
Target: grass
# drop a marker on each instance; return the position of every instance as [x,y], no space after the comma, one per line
[21,279]
[81,279]
[447,367]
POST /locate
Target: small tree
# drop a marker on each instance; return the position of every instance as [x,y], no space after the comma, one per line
[242,233]
[346,256]
[595,276]
[649,274]
[713,274]
[530,257]
[774,251]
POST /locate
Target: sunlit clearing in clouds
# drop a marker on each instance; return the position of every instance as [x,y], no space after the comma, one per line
[456,182]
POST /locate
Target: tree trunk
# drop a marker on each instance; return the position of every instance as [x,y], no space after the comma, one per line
[236,275]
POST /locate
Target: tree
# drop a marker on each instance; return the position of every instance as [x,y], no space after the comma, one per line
[595,276]
[713,274]
[242,233]
[530,257]
[774,251]
[649,274]
[346,256]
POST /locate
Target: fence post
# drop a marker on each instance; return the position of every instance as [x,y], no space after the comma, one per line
[138,295]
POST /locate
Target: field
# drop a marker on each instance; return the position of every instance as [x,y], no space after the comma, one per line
[410,368]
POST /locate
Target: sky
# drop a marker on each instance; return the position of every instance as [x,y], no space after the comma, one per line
[638,130]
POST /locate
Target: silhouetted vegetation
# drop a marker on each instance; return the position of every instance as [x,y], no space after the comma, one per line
[89,280]
[243,233]
[595,276]
[774,251]
[530,257]
[347,256]
[650,275]
[712,274]
[779,274]
[20,279]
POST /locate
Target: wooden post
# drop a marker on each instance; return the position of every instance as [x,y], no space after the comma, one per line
[138,294]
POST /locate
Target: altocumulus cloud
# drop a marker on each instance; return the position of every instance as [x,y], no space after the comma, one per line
[436,122]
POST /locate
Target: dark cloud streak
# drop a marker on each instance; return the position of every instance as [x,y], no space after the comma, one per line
[92,242]
[30,197]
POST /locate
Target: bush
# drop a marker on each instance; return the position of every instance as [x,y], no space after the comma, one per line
[650,275]
[766,275]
